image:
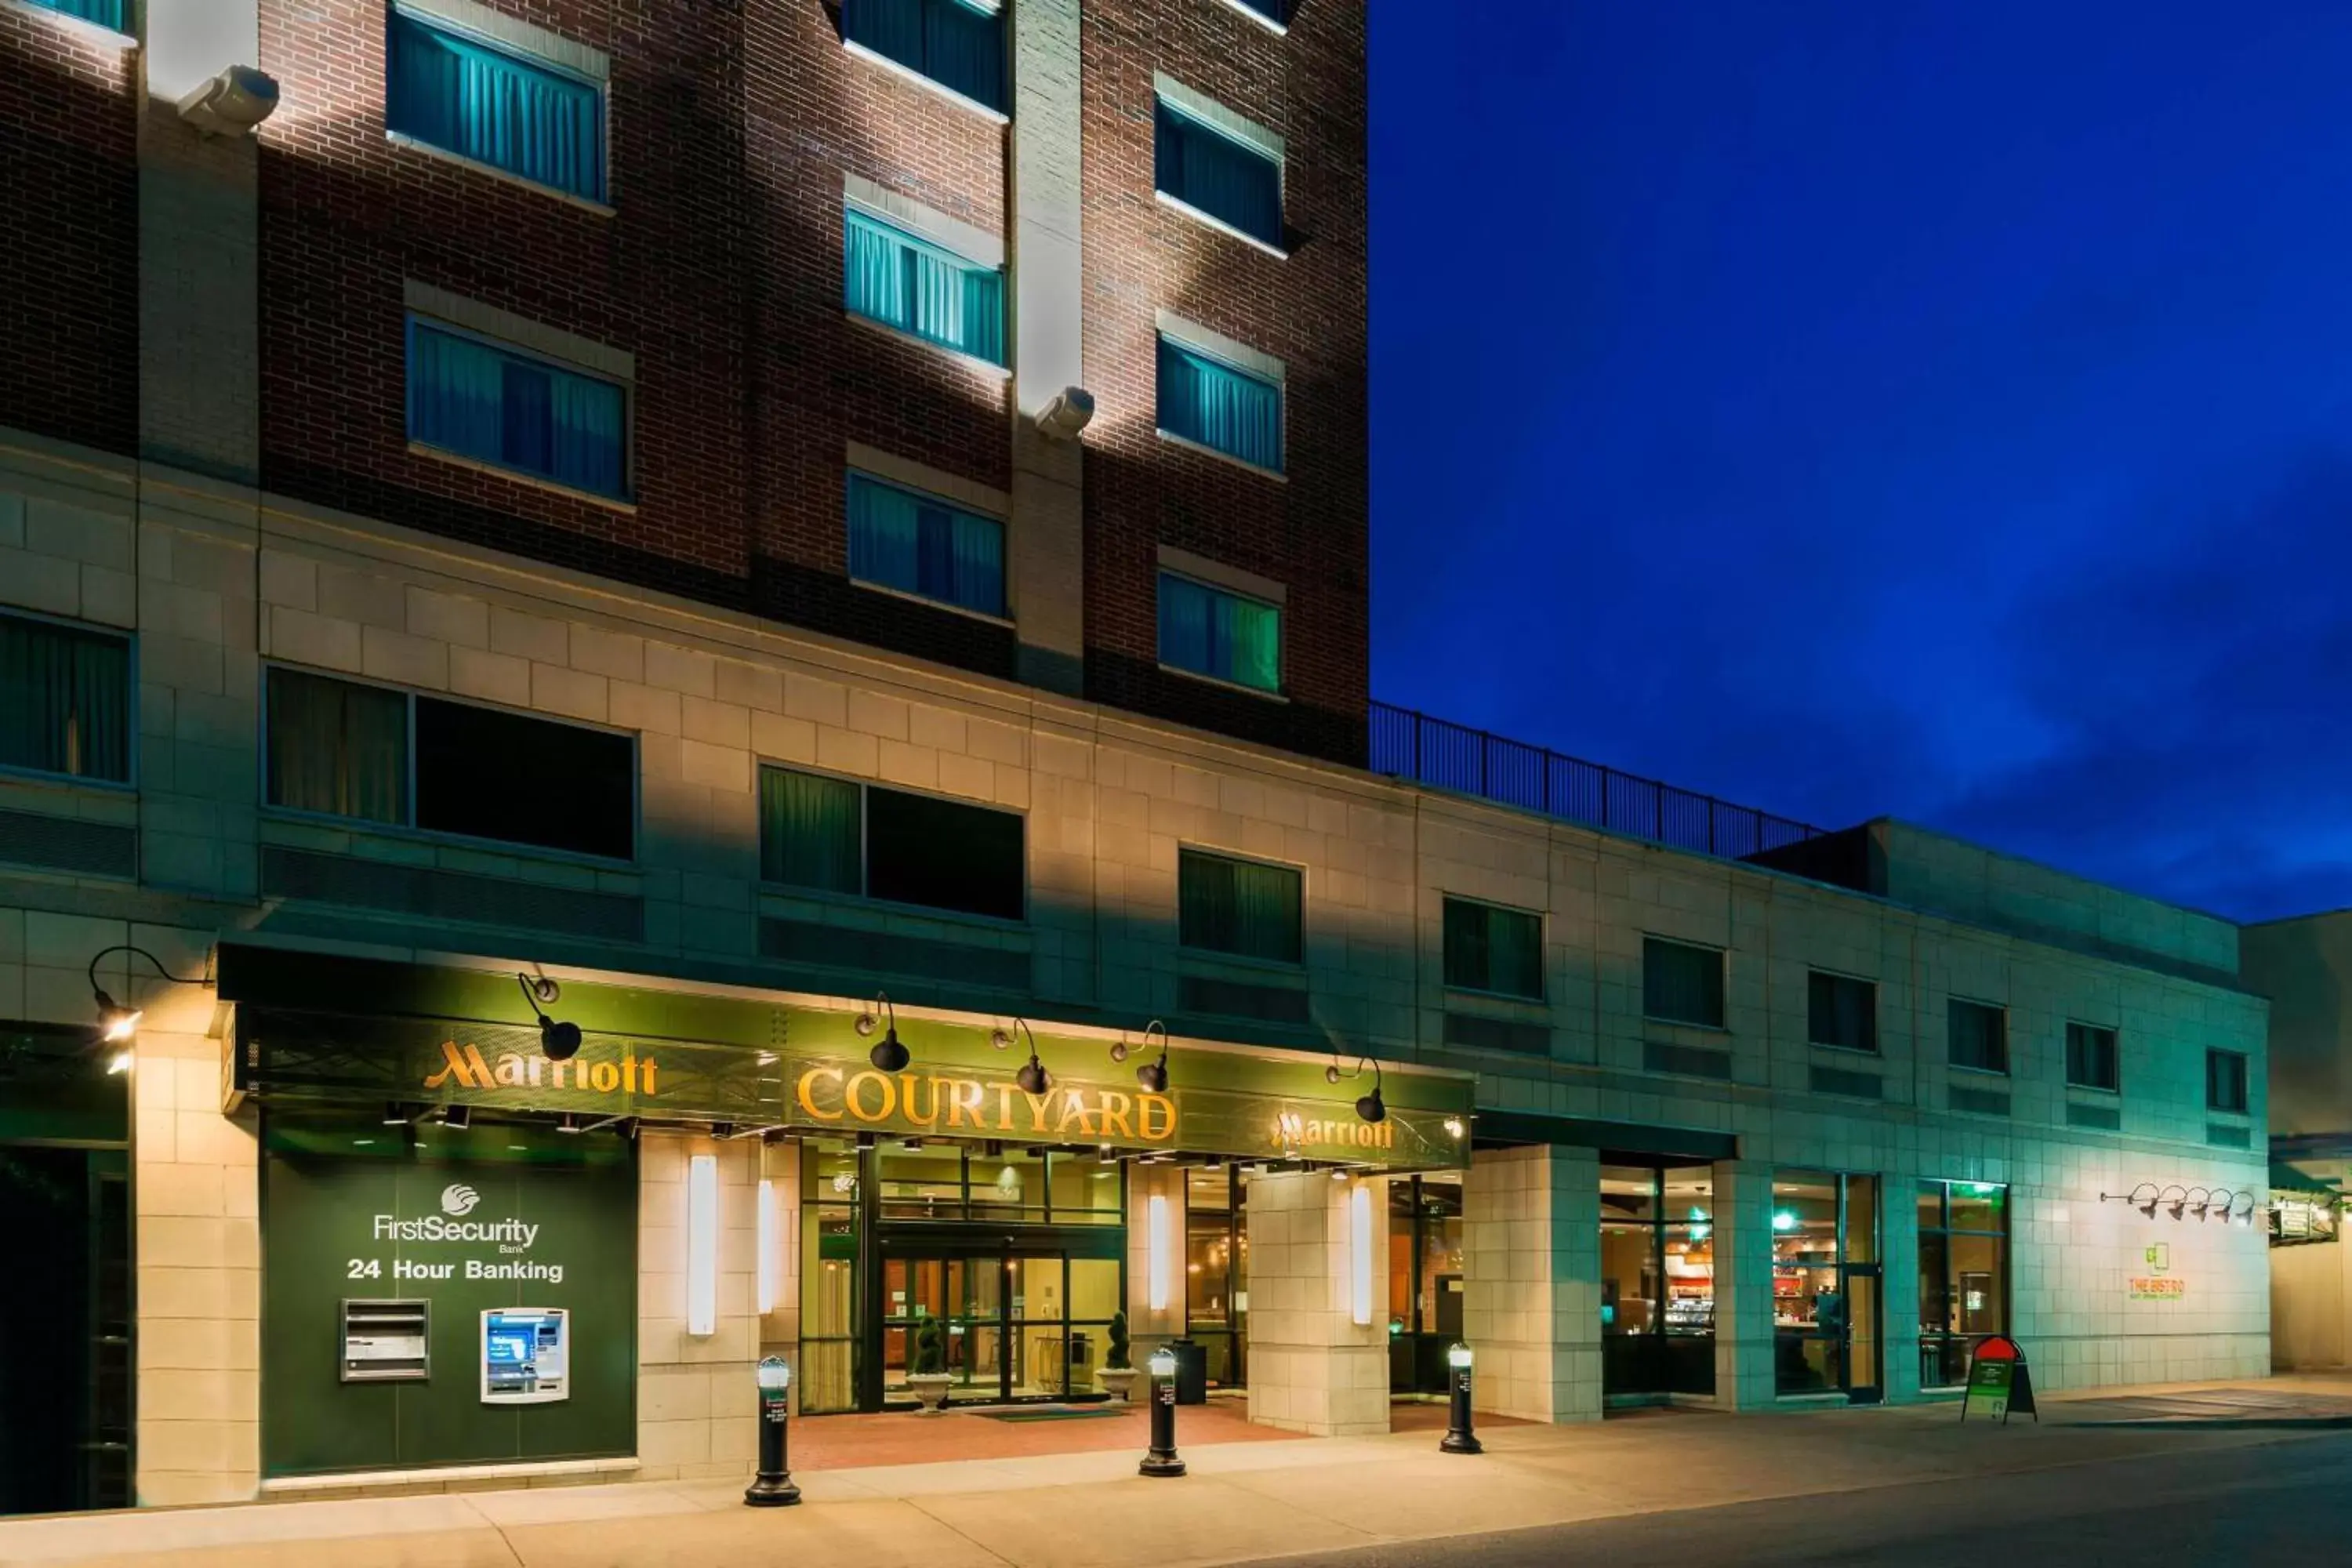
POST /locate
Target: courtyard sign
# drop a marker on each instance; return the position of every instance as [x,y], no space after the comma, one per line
[832,1094]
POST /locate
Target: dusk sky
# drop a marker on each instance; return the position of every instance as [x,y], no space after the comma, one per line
[1848,409]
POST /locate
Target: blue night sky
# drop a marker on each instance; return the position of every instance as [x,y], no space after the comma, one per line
[1850,408]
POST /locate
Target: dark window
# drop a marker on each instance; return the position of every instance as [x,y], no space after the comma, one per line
[1963,1275]
[1682,984]
[493,775]
[1842,1010]
[1238,906]
[1492,949]
[1977,1035]
[344,748]
[958,46]
[2225,1081]
[65,700]
[1213,171]
[2091,1056]
[845,838]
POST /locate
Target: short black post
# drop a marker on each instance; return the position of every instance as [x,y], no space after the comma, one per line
[773,1487]
[1162,1460]
[1459,1438]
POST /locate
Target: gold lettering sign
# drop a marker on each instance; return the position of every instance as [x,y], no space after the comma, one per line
[463,1067]
[1293,1131]
[833,1094]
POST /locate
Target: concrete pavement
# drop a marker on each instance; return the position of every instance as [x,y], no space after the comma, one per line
[1242,1500]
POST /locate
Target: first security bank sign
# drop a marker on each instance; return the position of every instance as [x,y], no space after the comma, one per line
[512,1237]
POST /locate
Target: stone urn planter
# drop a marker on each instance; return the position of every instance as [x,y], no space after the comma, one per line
[932,1388]
[1119,1381]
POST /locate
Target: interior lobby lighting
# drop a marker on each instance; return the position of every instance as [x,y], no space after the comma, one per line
[702,1244]
[888,1053]
[1161,1246]
[1784,1220]
[1359,1255]
[772,1247]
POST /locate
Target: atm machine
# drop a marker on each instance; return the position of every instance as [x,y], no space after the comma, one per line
[526,1355]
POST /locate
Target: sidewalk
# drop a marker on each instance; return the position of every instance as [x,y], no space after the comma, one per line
[1089,1510]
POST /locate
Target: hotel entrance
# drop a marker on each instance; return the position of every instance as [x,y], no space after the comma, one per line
[1014,1321]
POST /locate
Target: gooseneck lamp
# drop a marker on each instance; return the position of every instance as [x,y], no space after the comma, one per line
[1032,1078]
[888,1054]
[116,1021]
[1153,1076]
[558,1042]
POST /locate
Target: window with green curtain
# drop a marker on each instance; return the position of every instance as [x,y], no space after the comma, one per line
[1841,1010]
[65,700]
[1682,983]
[1244,907]
[1217,633]
[1489,948]
[891,277]
[810,834]
[336,747]
[1976,1035]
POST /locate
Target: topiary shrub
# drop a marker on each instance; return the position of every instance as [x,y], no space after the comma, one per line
[930,1346]
[1116,1359]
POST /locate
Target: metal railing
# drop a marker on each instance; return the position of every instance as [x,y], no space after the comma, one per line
[1434,752]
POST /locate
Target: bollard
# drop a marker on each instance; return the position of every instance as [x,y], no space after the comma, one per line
[773,1487]
[1459,1438]
[1162,1460]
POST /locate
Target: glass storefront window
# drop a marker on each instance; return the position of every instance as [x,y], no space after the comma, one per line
[1081,1189]
[921,1184]
[1217,1270]
[1658,1279]
[1009,1186]
[1963,1275]
[827,1374]
[1825,1282]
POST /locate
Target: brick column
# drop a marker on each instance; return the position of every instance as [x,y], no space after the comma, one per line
[1531,1281]
[1312,1368]
[1744,1377]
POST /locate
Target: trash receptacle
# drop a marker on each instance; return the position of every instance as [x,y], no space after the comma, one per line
[1191,1372]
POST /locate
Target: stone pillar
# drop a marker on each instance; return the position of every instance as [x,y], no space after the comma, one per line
[1312,1367]
[1046,543]
[1898,1236]
[779,1327]
[697,1414]
[196,1229]
[1531,1281]
[1147,1329]
[1744,1375]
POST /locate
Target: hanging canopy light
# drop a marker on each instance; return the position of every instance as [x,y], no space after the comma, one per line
[558,1042]
[888,1053]
[1153,1076]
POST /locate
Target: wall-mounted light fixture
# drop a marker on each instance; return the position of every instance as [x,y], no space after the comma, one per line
[888,1054]
[1161,1248]
[1153,1076]
[558,1042]
[772,1247]
[702,1244]
[1359,1255]
[1032,1078]
[117,1021]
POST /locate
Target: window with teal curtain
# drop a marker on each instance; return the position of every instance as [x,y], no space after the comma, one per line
[1206,168]
[1489,948]
[810,831]
[958,46]
[1224,408]
[336,747]
[112,14]
[1244,907]
[920,544]
[480,401]
[483,101]
[1214,633]
[891,277]
[65,700]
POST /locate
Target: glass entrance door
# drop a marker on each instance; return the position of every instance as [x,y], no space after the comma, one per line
[965,1295]
[1015,1324]
[1865,1383]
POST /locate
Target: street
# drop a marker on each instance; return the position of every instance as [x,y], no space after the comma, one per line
[2282,1502]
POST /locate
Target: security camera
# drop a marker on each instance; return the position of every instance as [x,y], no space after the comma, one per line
[232,104]
[1066,414]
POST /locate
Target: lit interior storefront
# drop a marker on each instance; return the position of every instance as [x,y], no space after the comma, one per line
[1425,1279]
[1963,1275]
[1827,1285]
[1657,1279]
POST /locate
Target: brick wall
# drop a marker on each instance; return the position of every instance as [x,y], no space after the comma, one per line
[1309,310]
[70,272]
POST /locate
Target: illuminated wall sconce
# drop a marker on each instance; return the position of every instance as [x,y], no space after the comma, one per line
[1163,1246]
[702,1244]
[772,1247]
[1359,1255]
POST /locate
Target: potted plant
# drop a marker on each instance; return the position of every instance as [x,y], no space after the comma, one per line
[929,1377]
[1118,1372]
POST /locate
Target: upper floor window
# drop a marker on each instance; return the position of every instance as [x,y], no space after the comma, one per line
[1215,403]
[891,277]
[1489,948]
[494,104]
[920,544]
[2225,1081]
[1275,13]
[344,748]
[111,15]
[1220,634]
[955,43]
[1681,983]
[1976,1035]
[2091,1058]
[838,835]
[1242,907]
[1841,1010]
[516,410]
[1207,168]
[65,700]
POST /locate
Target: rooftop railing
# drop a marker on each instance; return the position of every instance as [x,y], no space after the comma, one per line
[1450,756]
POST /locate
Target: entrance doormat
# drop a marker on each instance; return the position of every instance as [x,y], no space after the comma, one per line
[1088,1412]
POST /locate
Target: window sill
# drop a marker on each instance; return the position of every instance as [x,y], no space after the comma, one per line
[1279,29]
[94,32]
[2239,1114]
[1211,220]
[2001,1073]
[1272,967]
[1222,684]
[436,838]
[1866,1052]
[2101,1092]
[983,617]
[1173,440]
[569,198]
[1724,1029]
[897,69]
[1472,993]
[987,367]
[459,459]
[999,925]
[41,778]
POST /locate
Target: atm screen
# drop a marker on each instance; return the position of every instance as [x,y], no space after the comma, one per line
[509,1345]
[524,1354]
